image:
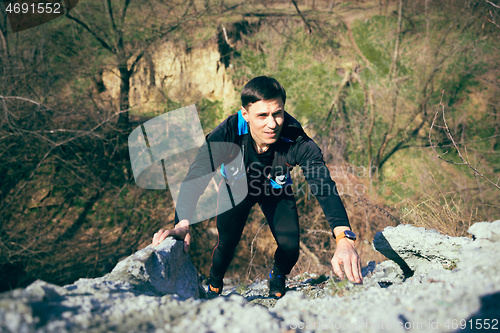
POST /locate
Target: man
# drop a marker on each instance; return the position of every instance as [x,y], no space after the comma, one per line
[272,142]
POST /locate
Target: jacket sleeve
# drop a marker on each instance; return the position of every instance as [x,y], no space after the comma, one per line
[310,159]
[209,157]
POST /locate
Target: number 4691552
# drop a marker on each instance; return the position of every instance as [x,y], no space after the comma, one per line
[40,8]
[486,324]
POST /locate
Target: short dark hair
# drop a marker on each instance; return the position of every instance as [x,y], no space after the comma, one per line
[261,88]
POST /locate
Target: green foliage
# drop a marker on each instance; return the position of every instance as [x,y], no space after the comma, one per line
[210,113]
[254,61]
[308,80]
[399,175]
[336,287]
[370,37]
[241,288]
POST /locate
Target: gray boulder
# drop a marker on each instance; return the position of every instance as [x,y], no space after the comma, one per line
[123,300]
[439,301]
[418,250]
[385,274]
[161,270]
[486,230]
[128,299]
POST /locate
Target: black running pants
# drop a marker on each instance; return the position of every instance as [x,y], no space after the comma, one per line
[281,215]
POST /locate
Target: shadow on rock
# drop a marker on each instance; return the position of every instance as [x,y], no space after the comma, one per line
[382,245]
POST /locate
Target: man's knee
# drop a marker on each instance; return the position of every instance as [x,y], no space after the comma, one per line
[227,246]
[292,249]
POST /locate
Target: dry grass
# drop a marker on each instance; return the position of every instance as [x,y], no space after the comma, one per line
[445,212]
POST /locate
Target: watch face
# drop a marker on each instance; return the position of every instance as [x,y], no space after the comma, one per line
[350,235]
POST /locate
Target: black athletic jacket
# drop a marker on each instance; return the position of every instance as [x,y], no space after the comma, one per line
[292,148]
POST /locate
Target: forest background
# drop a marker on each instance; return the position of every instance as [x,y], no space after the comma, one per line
[402,97]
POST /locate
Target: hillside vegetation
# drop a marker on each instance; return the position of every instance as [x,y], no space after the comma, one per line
[366,79]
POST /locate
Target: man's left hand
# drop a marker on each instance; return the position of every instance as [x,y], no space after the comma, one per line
[346,254]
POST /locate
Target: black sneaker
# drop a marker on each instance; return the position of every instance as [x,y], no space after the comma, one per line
[277,288]
[213,292]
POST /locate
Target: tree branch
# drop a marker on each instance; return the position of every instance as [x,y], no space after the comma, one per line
[302,16]
[394,65]
[465,161]
[336,99]
[109,9]
[86,27]
[492,20]
[356,48]
[54,145]
[491,3]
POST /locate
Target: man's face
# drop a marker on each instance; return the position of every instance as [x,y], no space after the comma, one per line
[265,119]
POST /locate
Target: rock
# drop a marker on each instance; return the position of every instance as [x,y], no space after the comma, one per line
[16,315]
[486,230]
[128,299]
[386,274]
[481,255]
[154,271]
[171,72]
[417,250]
[425,302]
[161,270]
[368,269]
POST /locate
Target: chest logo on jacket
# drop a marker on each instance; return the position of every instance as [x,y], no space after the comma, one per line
[281,180]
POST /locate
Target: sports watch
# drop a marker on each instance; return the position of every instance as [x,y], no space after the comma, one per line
[346,234]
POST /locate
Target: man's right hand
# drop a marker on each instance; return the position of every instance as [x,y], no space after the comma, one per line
[181,232]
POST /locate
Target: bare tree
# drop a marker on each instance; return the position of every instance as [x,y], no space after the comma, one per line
[387,100]
[61,215]
[127,29]
[60,159]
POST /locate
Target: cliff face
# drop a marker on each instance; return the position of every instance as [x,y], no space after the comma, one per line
[172,72]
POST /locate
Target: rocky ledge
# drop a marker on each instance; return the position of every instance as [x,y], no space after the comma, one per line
[433,283]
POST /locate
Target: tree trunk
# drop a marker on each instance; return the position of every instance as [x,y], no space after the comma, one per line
[3,39]
[125,75]
[394,65]
[370,132]
[393,72]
